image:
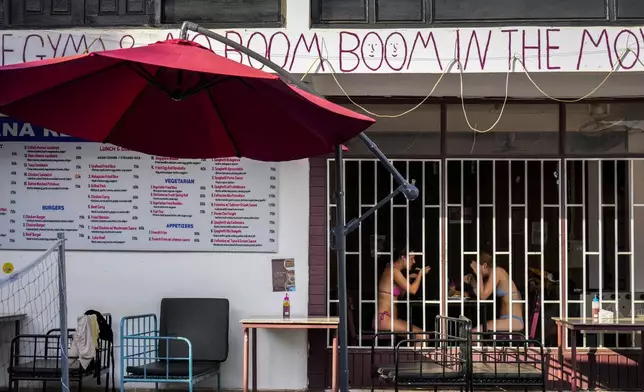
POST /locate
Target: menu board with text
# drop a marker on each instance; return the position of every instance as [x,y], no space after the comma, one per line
[105,197]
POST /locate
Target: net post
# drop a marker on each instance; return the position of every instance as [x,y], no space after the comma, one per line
[62,297]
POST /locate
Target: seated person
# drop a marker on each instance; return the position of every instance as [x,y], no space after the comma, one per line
[505,289]
[387,317]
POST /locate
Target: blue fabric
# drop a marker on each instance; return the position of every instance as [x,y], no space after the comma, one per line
[507,316]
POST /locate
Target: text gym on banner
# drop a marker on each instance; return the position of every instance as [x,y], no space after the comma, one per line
[542,49]
[108,198]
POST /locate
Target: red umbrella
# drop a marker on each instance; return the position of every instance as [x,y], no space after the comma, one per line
[176,98]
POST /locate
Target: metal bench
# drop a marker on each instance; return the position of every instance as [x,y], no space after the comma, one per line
[428,359]
[39,358]
[506,359]
[190,345]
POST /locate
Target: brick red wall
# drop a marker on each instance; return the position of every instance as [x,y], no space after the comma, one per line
[317,361]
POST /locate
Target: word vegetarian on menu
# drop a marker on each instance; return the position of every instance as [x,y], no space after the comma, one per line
[105,197]
[177,192]
[244,206]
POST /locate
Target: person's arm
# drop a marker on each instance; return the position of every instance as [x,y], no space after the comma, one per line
[488,287]
[403,283]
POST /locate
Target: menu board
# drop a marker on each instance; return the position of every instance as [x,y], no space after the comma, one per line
[105,197]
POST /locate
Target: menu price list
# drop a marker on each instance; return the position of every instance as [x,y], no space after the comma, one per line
[244,195]
[43,193]
[109,198]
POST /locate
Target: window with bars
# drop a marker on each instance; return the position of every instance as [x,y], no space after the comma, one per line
[603,255]
[513,210]
[517,209]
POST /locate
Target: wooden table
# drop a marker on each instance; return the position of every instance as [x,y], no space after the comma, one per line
[253,324]
[588,324]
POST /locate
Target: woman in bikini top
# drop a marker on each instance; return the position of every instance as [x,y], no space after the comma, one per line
[391,286]
[501,287]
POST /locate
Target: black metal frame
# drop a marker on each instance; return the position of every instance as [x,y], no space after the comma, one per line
[512,351]
[451,345]
[447,347]
[611,18]
[25,366]
[340,232]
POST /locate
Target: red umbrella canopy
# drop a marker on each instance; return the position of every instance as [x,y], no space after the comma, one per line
[176,98]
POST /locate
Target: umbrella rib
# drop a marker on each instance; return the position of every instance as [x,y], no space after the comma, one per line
[146,75]
[223,123]
[216,80]
[125,113]
[149,78]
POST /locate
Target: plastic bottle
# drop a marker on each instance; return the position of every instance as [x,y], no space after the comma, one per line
[596,307]
[286,307]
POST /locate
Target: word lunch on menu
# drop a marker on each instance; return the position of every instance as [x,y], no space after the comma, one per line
[105,197]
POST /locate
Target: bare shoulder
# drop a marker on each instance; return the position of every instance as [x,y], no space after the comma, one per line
[501,272]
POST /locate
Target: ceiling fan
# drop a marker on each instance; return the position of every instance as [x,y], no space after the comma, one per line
[602,121]
[508,145]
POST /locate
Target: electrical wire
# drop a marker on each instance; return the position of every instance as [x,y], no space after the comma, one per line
[515,59]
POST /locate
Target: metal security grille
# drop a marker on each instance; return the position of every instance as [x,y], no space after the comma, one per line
[512,208]
[413,225]
[604,212]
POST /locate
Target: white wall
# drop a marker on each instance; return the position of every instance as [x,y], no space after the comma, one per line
[128,283]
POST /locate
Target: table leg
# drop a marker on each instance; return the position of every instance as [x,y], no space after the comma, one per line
[17,331]
[246,360]
[642,361]
[560,334]
[334,363]
[573,361]
[254,348]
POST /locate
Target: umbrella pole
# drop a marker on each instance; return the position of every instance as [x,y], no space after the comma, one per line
[340,231]
[341,251]
[410,191]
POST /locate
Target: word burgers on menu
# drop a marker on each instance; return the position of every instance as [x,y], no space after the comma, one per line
[105,197]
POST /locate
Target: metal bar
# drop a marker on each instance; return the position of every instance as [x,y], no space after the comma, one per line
[329,231]
[375,248]
[583,244]
[525,248]
[541,248]
[462,235]
[407,250]
[631,242]
[359,256]
[423,247]
[62,298]
[340,243]
[616,235]
[355,222]
[600,236]
[442,181]
[511,277]
[394,252]
[493,245]
[478,243]
[563,235]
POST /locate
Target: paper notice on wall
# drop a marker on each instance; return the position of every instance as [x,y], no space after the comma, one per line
[283,274]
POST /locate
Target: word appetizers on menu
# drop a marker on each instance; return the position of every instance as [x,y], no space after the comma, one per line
[105,197]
